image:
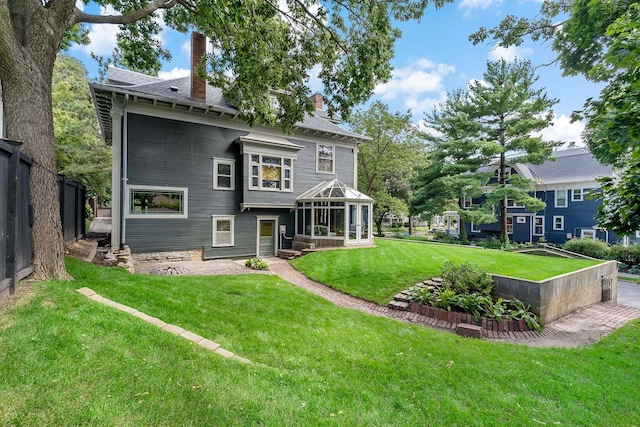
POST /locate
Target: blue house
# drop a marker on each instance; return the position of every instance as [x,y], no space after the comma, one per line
[564,185]
[189,174]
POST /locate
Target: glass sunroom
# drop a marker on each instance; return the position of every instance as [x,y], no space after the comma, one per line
[334,214]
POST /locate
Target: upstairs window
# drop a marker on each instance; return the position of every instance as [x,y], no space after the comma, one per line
[271,173]
[577,195]
[223,174]
[325,158]
[561,198]
[538,226]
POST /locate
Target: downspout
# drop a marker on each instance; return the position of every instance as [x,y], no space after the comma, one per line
[123,179]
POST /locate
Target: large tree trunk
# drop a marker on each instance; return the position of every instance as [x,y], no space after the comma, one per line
[28,112]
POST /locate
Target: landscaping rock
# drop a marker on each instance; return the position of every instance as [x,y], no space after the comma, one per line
[467,330]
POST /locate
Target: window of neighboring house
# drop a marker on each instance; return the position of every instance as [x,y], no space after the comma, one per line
[638,234]
[577,195]
[522,220]
[475,228]
[509,225]
[466,202]
[271,173]
[325,158]
[588,234]
[223,226]
[507,173]
[561,198]
[538,226]
[512,204]
[223,174]
[558,223]
[157,202]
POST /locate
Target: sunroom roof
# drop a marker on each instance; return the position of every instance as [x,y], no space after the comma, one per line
[333,189]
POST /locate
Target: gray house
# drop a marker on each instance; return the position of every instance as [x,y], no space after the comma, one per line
[188,174]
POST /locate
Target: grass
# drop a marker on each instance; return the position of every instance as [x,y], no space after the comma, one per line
[629,280]
[67,360]
[378,273]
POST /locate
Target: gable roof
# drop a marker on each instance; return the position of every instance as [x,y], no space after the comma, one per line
[571,165]
[176,94]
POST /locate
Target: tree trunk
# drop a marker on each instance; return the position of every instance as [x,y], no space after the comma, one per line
[410,225]
[29,119]
[504,236]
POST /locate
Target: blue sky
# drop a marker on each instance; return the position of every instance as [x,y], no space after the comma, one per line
[432,57]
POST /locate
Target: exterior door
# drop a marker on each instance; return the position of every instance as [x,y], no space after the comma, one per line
[359,223]
[267,238]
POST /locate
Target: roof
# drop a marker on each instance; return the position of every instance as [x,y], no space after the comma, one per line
[333,189]
[571,165]
[176,94]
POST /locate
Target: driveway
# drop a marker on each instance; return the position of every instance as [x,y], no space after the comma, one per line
[628,294]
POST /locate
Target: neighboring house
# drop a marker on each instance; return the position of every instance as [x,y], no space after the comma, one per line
[189,174]
[564,185]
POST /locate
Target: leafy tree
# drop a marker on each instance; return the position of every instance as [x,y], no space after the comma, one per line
[496,118]
[455,160]
[80,152]
[387,163]
[265,45]
[600,40]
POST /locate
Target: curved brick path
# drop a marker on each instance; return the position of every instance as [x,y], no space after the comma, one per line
[600,318]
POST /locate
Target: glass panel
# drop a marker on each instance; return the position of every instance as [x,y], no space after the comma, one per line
[254,181]
[224,181]
[337,222]
[255,158]
[223,225]
[353,220]
[266,228]
[271,176]
[300,218]
[287,184]
[156,202]
[254,170]
[287,173]
[223,238]
[364,230]
[307,222]
[287,162]
[325,165]
[224,169]
[321,223]
[271,160]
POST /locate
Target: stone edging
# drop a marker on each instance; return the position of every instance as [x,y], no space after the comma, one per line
[173,329]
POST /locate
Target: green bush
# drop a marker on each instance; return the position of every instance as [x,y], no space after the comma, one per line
[466,278]
[588,247]
[629,255]
[256,264]
[490,243]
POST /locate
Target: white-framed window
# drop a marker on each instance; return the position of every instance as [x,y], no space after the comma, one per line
[475,228]
[512,204]
[507,173]
[638,234]
[588,234]
[146,201]
[509,225]
[272,173]
[325,158]
[561,199]
[577,195]
[224,174]
[558,222]
[223,230]
[538,226]
[466,202]
[521,220]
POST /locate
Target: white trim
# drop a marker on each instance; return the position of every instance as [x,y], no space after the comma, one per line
[222,161]
[561,218]
[276,229]
[214,230]
[583,232]
[541,225]
[185,202]
[521,220]
[509,217]
[474,228]
[466,201]
[638,234]
[573,192]
[555,198]
[116,176]
[333,159]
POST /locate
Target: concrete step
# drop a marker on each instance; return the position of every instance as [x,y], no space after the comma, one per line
[289,254]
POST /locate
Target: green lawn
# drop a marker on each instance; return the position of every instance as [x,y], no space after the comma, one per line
[67,360]
[378,273]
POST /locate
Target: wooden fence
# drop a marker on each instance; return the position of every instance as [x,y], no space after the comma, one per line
[16,215]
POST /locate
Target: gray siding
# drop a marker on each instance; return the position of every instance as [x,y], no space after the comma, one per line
[177,154]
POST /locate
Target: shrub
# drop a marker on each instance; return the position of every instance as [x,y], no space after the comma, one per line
[472,303]
[444,298]
[256,264]
[629,255]
[588,247]
[518,310]
[634,270]
[466,278]
[490,243]
[495,310]
[88,212]
[422,296]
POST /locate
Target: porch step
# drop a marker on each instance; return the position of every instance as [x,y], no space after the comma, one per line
[289,254]
[298,245]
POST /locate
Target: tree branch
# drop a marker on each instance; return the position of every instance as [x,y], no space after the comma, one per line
[128,18]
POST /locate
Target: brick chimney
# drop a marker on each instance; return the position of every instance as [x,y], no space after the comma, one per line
[198,50]
[317,100]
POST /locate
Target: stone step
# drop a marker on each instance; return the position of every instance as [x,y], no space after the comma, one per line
[398,305]
[289,254]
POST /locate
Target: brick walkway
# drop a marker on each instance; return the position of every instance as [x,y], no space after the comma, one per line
[600,318]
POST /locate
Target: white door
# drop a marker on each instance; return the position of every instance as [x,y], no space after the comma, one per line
[359,222]
[267,242]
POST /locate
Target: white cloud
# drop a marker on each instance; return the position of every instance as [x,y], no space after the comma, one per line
[416,78]
[174,73]
[564,130]
[419,107]
[80,4]
[509,54]
[102,36]
[470,5]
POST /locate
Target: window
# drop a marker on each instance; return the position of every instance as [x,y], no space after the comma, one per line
[271,173]
[558,223]
[538,226]
[509,225]
[223,174]
[588,234]
[325,158]
[638,234]
[157,202]
[577,195]
[222,230]
[521,220]
[561,198]
[475,228]
[466,202]
[512,204]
